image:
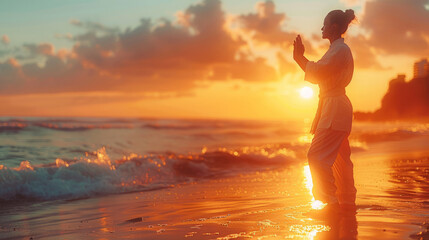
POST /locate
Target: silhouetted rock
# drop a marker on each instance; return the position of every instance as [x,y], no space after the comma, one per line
[403,101]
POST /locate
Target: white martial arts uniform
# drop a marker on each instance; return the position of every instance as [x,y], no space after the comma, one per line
[329,153]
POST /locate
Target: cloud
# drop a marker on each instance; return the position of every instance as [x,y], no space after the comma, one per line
[92,26]
[350,3]
[40,49]
[268,26]
[55,76]
[398,26]
[151,57]
[284,65]
[5,39]
[64,36]
[255,70]
[114,97]
[364,54]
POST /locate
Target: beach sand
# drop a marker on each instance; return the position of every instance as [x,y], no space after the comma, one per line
[393,193]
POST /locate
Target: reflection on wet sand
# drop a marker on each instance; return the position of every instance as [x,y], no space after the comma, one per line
[260,205]
[345,227]
[392,192]
[411,179]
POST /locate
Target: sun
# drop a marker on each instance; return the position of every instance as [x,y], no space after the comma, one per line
[306,92]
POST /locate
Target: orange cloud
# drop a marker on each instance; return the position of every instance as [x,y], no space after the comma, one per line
[364,55]
[169,56]
[5,39]
[161,57]
[268,26]
[351,2]
[398,26]
[256,70]
[284,65]
[40,49]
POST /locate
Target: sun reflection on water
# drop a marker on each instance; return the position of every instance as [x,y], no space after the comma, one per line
[308,232]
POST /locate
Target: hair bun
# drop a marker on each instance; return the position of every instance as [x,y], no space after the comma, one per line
[350,15]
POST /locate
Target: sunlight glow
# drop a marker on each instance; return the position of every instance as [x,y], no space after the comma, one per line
[308,232]
[306,92]
[315,204]
[308,180]
[306,138]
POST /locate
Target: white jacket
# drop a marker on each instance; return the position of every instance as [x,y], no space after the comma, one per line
[333,72]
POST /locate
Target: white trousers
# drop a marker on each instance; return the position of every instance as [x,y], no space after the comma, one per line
[331,167]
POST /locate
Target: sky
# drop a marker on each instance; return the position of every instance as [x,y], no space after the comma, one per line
[194,59]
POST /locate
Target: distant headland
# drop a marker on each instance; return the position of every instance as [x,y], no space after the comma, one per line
[403,100]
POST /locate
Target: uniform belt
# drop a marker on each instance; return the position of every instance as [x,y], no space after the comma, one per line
[322,95]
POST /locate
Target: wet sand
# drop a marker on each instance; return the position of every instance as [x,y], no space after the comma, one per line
[393,193]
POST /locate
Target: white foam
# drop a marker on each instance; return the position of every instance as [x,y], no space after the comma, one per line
[98,175]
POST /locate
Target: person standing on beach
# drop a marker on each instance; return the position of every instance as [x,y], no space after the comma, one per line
[329,153]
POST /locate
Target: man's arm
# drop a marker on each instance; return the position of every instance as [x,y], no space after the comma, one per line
[302,62]
[329,65]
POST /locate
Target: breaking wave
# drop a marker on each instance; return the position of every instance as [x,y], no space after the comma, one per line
[96,174]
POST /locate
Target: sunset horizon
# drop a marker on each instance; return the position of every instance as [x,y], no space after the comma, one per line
[214,119]
[97,75]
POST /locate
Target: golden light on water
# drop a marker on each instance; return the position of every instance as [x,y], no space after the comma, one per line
[315,204]
[306,92]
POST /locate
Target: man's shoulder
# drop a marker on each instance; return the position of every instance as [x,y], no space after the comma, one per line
[343,48]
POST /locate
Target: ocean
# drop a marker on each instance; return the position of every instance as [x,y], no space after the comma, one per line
[70,158]
[67,158]
[117,178]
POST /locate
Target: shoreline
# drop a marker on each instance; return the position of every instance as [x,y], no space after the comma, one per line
[392,179]
[266,205]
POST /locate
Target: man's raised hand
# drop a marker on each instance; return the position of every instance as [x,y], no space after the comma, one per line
[298,47]
[298,52]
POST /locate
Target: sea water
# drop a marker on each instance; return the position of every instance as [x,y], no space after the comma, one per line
[70,158]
